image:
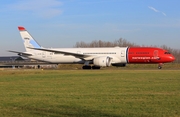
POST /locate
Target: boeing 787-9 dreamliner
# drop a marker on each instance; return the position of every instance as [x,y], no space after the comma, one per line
[93,58]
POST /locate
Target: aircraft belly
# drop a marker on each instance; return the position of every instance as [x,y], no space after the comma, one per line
[65,59]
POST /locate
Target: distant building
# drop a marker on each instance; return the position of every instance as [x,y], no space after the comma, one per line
[8,61]
[19,62]
[9,58]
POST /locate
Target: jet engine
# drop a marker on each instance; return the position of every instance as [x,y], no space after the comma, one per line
[104,61]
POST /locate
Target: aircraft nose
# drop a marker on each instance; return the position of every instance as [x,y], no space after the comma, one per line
[171,58]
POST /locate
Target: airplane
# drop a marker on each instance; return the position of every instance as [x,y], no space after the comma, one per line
[99,57]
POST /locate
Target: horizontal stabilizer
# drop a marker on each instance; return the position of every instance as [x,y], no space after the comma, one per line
[21,53]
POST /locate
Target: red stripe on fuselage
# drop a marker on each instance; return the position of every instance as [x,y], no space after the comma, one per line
[148,55]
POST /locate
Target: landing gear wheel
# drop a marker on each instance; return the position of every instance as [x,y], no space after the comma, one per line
[38,66]
[160,65]
[86,67]
[96,67]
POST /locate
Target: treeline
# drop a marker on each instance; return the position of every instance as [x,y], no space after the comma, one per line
[124,43]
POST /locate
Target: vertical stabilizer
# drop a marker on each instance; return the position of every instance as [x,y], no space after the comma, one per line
[28,40]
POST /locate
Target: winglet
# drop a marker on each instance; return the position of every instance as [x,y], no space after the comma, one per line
[21,28]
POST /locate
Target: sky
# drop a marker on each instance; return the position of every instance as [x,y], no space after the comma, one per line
[62,23]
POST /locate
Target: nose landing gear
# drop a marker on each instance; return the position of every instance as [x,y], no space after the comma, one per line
[160,65]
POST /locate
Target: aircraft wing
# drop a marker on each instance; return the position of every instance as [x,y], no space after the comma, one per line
[77,55]
[21,53]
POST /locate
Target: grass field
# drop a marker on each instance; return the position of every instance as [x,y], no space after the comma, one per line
[90,93]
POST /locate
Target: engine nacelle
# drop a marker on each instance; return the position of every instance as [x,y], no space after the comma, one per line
[104,61]
[119,64]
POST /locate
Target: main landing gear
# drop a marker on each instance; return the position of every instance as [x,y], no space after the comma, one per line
[86,67]
[89,67]
[160,65]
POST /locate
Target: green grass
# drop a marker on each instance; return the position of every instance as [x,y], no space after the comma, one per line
[90,93]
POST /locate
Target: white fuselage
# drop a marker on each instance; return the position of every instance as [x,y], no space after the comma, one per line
[117,54]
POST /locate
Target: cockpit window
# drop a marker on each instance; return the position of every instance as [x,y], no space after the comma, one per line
[167,53]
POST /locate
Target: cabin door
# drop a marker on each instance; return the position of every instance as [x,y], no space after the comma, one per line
[122,53]
[155,53]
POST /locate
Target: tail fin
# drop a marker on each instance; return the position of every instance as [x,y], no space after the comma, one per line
[29,42]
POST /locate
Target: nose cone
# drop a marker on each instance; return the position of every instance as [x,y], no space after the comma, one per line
[167,59]
[172,58]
